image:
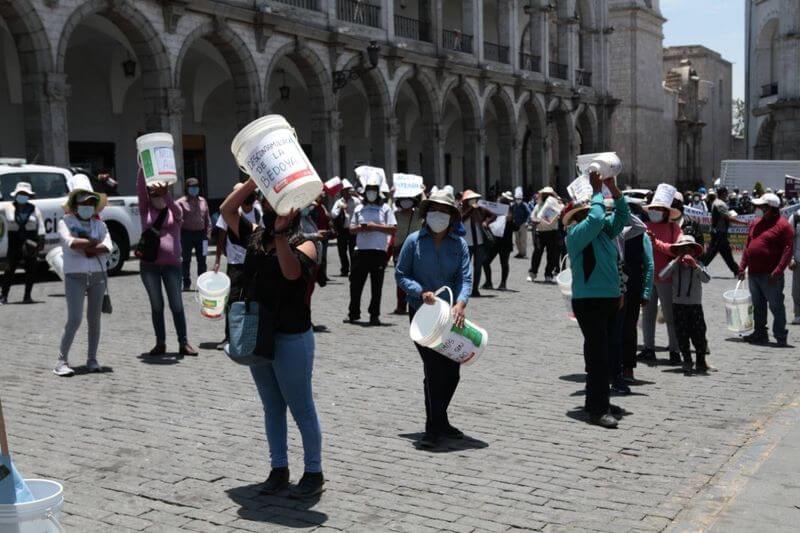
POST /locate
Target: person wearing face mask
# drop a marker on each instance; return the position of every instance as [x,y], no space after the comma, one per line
[195,231]
[372,223]
[322,219]
[520,213]
[160,214]
[664,233]
[767,255]
[503,230]
[546,238]
[86,243]
[721,220]
[342,213]
[407,215]
[26,231]
[475,220]
[432,258]
[597,298]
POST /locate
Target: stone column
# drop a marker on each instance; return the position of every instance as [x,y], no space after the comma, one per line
[433,155]
[329,8]
[473,25]
[436,23]
[325,128]
[509,31]
[384,145]
[541,17]
[45,111]
[508,158]
[572,28]
[164,112]
[474,154]
[387,14]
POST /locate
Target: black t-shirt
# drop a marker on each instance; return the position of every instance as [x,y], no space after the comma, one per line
[286,304]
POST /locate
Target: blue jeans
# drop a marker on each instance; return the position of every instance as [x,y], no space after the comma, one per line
[286,381]
[192,243]
[152,278]
[764,293]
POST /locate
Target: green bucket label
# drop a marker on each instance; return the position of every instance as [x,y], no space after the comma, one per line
[209,303]
[469,332]
[147,164]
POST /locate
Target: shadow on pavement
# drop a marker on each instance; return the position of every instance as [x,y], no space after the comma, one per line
[277,509]
[575,378]
[168,359]
[82,370]
[208,345]
[448,445]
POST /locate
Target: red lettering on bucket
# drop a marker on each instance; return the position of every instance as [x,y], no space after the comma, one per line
[468,358]
[294,177]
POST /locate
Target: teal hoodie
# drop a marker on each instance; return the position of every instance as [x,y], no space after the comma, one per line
[593,253]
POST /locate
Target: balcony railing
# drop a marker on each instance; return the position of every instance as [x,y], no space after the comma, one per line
[583,77]
[770,89]
[409,28]
[455,40]
[557,70]
[305,4]
[530,62]
[360,12]
[495,52]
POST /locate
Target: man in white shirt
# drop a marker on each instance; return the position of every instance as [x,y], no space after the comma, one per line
[373,223]
[341,214]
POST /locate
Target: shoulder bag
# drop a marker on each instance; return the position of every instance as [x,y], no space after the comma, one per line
[147,248]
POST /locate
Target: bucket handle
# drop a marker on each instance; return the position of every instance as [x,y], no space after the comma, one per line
[52,518]
[564,262]
[449,291]
[739,284]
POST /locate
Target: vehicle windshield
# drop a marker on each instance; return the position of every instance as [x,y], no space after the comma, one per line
[45,184]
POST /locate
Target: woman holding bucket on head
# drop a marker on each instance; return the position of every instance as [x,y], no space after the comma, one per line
[86,243]
[596,294]
[432,258]
[279,270]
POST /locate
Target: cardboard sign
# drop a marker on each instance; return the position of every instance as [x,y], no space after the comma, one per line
[407,185]
[495,208]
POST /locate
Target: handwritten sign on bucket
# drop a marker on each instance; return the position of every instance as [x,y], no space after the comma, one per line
[277,161]
[407,185]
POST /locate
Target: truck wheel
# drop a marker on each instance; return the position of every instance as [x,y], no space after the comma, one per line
[120,249]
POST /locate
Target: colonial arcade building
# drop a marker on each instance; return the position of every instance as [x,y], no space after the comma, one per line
[483,94]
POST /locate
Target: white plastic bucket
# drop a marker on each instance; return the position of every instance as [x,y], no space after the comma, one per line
[38,516]
[739,309]
[157,158]
[55,258]
[212,294]
[564,281]
[267,150]
[433,327]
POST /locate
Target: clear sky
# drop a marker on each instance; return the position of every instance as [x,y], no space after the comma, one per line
[716,24]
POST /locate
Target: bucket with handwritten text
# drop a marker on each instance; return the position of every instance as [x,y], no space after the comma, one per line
[268,151]
[157,158]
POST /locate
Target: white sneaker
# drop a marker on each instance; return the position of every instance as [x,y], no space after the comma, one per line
[93,366]
[531,278]
[62,369]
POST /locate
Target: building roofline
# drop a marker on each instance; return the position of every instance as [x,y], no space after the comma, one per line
[700,51]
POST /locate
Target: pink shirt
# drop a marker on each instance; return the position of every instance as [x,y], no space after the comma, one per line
[664,234]
[169,252]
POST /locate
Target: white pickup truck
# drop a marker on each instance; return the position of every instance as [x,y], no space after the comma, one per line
[52,185]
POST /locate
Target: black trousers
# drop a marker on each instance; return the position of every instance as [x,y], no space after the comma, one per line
[440,383]
[545,242]
[690,325]
[346,244]
[192,243]
[719,245]
[630,333]
[15,258]
[597,318]
[505,254]
[370,263]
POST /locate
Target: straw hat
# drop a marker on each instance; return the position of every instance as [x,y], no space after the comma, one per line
[23,187]
[573,209]
[508,196]
[547,190]
[346,184]
[77,196]
[685,241]
[673,213]
[441,197]
[469,194]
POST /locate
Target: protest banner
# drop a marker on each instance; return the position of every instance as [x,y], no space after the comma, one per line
[495,208]
[407,185]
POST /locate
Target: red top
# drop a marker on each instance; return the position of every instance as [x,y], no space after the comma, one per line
[769,247]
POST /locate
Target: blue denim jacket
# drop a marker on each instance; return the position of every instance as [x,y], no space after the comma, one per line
[421,267]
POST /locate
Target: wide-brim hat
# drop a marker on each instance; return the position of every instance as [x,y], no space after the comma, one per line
[23,187]
[685,241]
[192,182]
[81,195]
[673,213]
[469,194]
[547,190]
[442,197]
[573,209]
[508,196]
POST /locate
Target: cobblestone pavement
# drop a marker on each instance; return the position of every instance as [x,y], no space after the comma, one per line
[180,445]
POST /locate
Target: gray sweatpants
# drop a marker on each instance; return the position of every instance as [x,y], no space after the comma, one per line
[76,287]
[661,292]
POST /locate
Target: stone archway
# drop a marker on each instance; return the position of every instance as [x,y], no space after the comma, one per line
[463,125]
[586,130]
[501,141]
[534,144]
[417,112]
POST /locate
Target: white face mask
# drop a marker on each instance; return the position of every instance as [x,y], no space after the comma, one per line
[437,221]
[655,216]
[85,212]
[759,213]
[406,204]
[372,196]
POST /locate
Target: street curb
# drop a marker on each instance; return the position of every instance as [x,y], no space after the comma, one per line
[724,486]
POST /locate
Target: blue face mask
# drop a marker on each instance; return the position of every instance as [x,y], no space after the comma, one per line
[193,191]
[85,212]
[22,199]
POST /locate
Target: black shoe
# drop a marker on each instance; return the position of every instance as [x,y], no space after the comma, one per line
[159,349]
[756,338]
[3,300]
[319,328]
[350,320]
[688,366]
[277,481]
[487,286]
[310,485]
[344,274]
[322,282]
[604,420]
[429,441]
[620,387]
[502,287]
[782,343]
[475,294]
[187,287]
[375,321]
[221,346]
[675,359]
[646,355]
[616,411]
[452,432]
[27,300]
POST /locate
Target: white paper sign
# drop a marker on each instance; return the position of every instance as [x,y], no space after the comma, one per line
[552,208]
[372,176]
[498,227]
[495,208]
[580,190]
[664,194]
[407,185]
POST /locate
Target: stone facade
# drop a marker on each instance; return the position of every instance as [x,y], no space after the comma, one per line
[773,87]
[482,94]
